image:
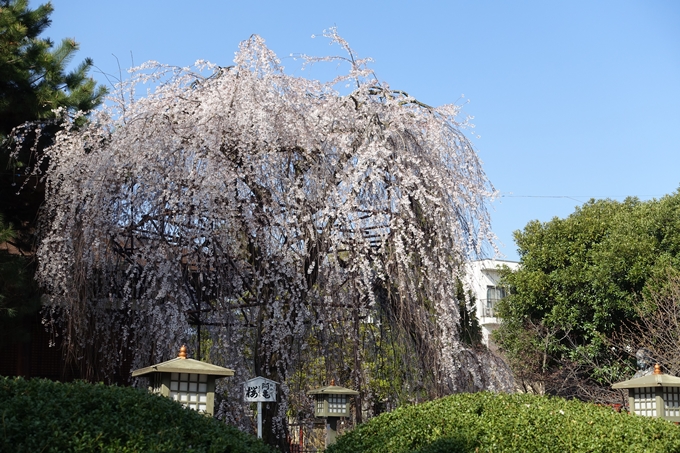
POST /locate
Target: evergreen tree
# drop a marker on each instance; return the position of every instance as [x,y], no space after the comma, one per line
[33,77]
[470,330]
[579,282]
[33,82]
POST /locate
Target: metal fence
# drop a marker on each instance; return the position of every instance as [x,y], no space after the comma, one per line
[311,437]
[305,438]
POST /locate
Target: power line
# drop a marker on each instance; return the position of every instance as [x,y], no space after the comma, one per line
[575,197]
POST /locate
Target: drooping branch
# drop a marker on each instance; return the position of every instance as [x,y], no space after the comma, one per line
[269,212]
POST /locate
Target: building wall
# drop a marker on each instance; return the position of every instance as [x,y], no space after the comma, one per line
[483,279]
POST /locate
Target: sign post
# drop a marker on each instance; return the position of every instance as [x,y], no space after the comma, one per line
[259,390]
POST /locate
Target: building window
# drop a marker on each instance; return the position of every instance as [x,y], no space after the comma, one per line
[493,295]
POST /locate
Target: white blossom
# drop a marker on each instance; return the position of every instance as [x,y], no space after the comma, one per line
[268,206]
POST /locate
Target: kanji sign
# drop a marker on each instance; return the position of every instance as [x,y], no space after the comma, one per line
[259,389]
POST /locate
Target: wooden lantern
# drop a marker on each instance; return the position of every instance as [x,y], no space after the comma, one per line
[332,402]
[187,381]
[654,395]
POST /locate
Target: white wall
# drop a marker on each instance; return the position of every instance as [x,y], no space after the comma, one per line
[479,276]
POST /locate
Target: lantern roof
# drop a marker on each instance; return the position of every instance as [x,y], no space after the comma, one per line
[656,379]
[182,364]
[332,390]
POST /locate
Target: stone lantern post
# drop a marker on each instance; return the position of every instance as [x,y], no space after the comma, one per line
[332,402]
[188,381]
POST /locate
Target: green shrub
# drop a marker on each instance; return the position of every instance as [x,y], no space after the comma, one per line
[45,416]
[487,422]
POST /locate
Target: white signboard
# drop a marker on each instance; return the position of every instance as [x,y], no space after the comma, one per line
[259,390]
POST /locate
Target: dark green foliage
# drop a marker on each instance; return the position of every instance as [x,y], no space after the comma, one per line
[33,80]
[45,416]
[579,281]
[18,291]
[470,330]
[19,296]
[487,422]
[6,230]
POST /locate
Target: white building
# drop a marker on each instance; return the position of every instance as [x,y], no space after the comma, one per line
[483,279]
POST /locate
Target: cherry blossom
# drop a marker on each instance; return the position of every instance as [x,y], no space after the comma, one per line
[266,213]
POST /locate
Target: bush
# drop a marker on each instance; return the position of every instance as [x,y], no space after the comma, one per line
[45,416]
[487,422]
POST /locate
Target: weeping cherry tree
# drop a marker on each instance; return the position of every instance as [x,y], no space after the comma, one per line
[264,219]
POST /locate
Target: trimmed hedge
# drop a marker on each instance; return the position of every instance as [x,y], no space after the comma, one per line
[488,422]
[44,416]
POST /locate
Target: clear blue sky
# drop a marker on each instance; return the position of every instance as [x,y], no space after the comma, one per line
[572,99]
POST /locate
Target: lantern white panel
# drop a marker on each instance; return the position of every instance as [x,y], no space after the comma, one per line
[337,404]
[644,401]
[671,397]
[190,389]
